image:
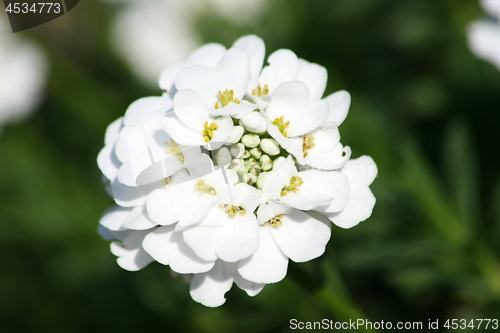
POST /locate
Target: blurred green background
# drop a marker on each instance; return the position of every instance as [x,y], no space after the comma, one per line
[423,107]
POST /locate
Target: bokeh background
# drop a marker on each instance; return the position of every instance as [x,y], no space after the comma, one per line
[423,107]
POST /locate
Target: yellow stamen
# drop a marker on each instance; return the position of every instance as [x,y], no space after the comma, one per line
[295,183]
[207,131]
[225,98]
[204,188]
[166,180]
[173,148]
[233,210]
[280,122]
[275,221]
[259,91]
[308,144]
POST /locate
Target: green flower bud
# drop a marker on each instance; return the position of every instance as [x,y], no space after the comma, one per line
[270,147]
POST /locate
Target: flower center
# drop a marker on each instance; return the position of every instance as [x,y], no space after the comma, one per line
[259,91]
[280,122]
[308,144]
[204,188]
[233,210]
[173,148]
[295,183]
[166,180]
[226,97]
[275,221]
[207,131]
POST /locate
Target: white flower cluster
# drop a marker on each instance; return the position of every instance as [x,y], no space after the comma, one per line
[484,35]
[234,170]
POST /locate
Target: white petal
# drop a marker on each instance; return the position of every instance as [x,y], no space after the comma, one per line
[202,238]
[242,195]
[238,238]
[286,170]
[181,133]
[236,134]
[121,146]
[289,100]
[205,81]
[114,216]
[104,232]
[108,162]
[222,133]
[190,109]
[235,110]
[301,237]
[160,206]
[234,68]
[131,255]
[325,139]
[362,170]
[256,50]
[168,76]
[313,117]
[207,55]
[332,160]
[185,261]
[128,196]
[279,178]
[146,108]
[268,264]
[340,197]
[319,188]
[251,288]
[314,76]
[138,219]
[209,288]
[358,208]
[112,132]
[339,103]
[168,248]
[158,244]
[283,67]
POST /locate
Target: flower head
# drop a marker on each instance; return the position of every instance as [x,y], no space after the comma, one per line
[236,169]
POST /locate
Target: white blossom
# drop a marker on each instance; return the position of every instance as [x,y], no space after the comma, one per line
[235,170]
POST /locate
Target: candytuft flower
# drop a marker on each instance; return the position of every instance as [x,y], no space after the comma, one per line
[235,170]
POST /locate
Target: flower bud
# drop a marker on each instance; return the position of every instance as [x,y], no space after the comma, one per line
[255,169]
[223,157]
[265,162]
[236,164]
[249,178]
[255,152]
[270,147]
[250,140]
[237,150]
[250,161]
[254,122]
